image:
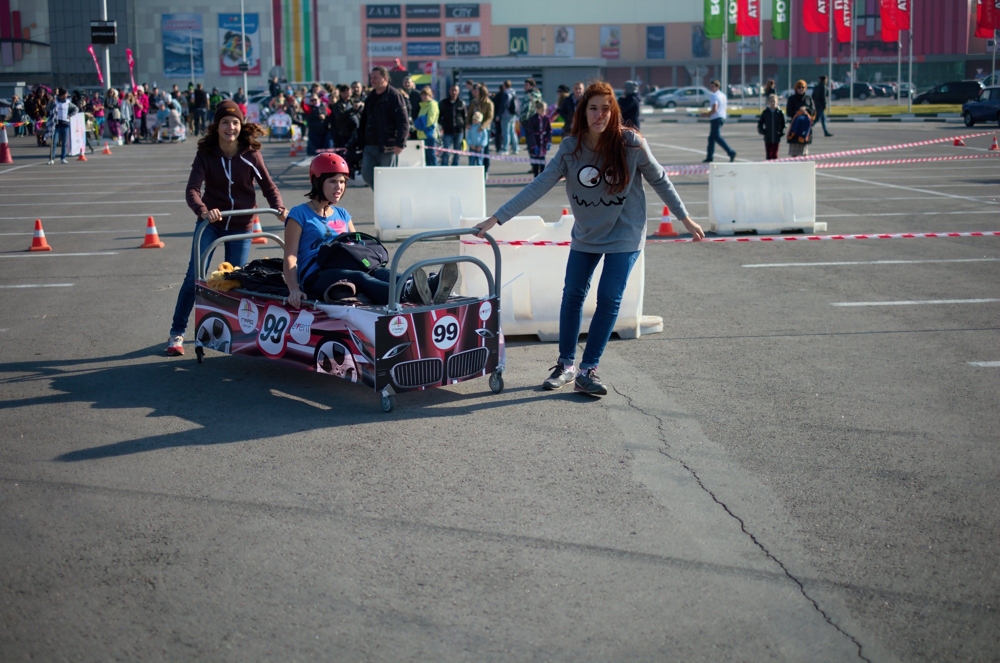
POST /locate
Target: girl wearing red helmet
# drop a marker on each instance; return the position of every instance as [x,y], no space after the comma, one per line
[312,224]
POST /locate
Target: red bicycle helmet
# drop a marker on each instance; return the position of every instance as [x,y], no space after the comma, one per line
[327,163]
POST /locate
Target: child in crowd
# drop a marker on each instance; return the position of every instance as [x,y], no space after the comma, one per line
[771,126]
[478,138]
[538,134]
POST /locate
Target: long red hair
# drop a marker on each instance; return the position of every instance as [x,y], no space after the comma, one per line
[611,145]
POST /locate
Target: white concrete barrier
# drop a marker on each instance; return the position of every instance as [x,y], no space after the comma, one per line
[532,281]
[765,197]
[412,155]
[413,200]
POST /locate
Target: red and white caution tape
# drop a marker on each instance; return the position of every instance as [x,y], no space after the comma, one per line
[884,148]
[491,157]
[764,238]
[890,162]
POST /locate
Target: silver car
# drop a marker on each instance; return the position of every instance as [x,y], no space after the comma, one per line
[686,96]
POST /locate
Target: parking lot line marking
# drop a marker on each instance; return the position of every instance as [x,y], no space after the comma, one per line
[83,216]
[56,255]
[985,364]
[77,203]
[71,232]
[866,215]
[904,188]
[38,285]
[29,165]
[917,302]
[864,262]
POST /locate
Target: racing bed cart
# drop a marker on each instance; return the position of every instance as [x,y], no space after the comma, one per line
[393,348]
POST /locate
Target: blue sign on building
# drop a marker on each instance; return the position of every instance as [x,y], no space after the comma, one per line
[656,42]
[423,48]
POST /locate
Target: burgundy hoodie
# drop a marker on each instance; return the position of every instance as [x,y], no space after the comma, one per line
[229,185]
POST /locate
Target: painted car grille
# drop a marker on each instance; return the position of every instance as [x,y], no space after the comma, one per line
[464,364]
[418,373]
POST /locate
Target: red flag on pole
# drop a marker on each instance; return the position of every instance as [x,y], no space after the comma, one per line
[901,14]
[748,18]
[100,76]
[842,20]
[987,18]
[890,32]
[816,15]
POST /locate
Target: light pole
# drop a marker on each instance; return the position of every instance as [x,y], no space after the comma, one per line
[244,65]
[107,47]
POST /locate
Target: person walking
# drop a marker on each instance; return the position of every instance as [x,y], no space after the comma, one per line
[426,124]
[200,109]
[604,164]
[225,168]
[527,103]
[508,117]
[771,125]
[452,112]
[799,104]
[59,113]
[344,117]
[717,117]
[631,105]
[820,95]
[384,125]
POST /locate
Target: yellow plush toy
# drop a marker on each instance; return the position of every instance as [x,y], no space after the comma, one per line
[218,281]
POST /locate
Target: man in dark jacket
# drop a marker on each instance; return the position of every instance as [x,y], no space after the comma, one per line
[345,114]
[630,105]
[384,125]
[799,103]
[820,95]
[200,109]
[413,106]
[452,120]
[567,109]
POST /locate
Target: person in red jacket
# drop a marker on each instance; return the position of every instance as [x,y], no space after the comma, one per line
[227,165]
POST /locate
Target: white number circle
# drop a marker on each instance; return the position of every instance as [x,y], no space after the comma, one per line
[445,332]
[271,338]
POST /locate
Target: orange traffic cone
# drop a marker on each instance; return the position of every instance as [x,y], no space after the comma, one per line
[994,147]
[565,211]
[38,242]
[4,146]
[666,228]
[152,237]
[107,149]
[258,229]
[959,143]
[294,152]
[82,157]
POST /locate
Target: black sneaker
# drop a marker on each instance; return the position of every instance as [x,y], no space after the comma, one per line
[421,289]
[587,382]
[446,283]
[560,376]
[732,157]
[706,161]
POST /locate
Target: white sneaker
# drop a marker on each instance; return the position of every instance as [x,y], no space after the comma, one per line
[63,160]
[175,346]
[51,161]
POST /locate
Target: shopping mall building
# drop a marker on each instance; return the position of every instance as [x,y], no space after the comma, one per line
[661,42]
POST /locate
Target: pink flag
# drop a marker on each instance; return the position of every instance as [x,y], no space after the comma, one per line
[901,14]
[748,18]
[131,65]
[842,20]
[816,15]
[100,76]
[890,32]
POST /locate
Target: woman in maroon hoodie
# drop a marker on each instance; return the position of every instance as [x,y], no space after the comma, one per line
[227,164]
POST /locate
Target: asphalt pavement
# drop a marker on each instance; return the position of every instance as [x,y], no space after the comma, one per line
[803,466]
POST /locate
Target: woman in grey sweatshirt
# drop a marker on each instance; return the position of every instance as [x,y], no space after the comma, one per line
[601,162]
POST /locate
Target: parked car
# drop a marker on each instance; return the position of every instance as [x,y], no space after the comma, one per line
[904,90]
[861,91]
[685,96]
[954,92]
[984,109]
[884,89]
[650,99]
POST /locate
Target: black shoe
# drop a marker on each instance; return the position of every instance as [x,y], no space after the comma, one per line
[446,281]
[828,135]
[706,161]
[732,157]
[587,382]
[560,376]
[338,291]
[417,290]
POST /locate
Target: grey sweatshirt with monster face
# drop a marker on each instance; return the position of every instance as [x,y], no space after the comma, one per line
[605,222]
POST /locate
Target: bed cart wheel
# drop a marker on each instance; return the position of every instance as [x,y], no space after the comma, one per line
[388,402]
[496,382]
[199,352]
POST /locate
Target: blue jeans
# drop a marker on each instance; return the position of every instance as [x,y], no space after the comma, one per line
[451,142]
[579,270]
[821,118]
[508,128]
[59,133]
[430,155]
[714,136]
[236,255]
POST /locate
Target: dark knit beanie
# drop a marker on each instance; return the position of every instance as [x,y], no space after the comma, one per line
[228,108]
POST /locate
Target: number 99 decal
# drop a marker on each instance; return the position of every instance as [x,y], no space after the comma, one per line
[445,332]
[271,339]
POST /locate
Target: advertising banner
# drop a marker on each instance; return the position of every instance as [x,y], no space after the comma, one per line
[565,41]
[748,18]
[385,49]
[714,24]
[732,16]
[382,11]
[423,48]
[423,11]
[517,41]
[462,48]
[842,20]
[456,30]
[385,30]
[701,45]
[656,42]
[231,44]
[183,40]
[611,41]
[986,19]
[423,30]
[901,14]
[779,19]
[890,32]
[461,11]
[816,15]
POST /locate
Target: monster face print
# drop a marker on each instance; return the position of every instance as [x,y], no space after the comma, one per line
[590,178]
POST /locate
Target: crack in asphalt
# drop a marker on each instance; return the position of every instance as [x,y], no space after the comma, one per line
[743,527]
